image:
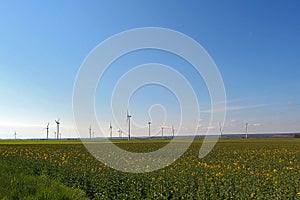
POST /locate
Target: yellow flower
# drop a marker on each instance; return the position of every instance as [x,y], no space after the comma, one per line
[298,193]
[275,170]
[289,168]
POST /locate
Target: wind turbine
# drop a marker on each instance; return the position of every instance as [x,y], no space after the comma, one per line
[47,128]
[246,131]
[149,123]
[128,121]
[57,126]
[110,127]
[15,135]
[90,132]
[162,131]
[120,133]
[221,129]
[173,130]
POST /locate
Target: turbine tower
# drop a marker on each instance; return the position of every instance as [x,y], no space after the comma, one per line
[149,123]
[221,129]
[173,130]
[57,126]
[110,127]
[246,131]
[128,121]
[120,133]
[15,135]
[90,132]
[162,131]
[47,128]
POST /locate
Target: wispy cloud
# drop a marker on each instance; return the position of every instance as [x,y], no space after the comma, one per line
[167,126]
[256,124]
[235,108]
[233,100]
[227,101]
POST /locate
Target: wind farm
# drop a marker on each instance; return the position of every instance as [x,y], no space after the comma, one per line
[111,100]
[163,132]
[66,163]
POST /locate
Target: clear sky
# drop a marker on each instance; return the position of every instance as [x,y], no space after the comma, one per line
[255,44]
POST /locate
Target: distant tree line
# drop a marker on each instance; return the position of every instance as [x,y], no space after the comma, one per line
[296,135]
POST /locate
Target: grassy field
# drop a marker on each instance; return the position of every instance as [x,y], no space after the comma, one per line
[40,142]
[235,169]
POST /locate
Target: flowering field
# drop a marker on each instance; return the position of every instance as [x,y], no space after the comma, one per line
[235,169]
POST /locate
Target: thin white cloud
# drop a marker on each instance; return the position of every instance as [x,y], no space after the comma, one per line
[232,101]
[234,108]
[227,101]
[167,126]
[257,124]
[210,127]
[205,127]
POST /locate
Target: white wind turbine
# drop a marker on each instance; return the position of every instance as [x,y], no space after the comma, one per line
[221,129]
[128,116]
[149,123]
[47,131]
[57,126]
[110,128]
[90,132]
[246,131]
[173,131]
[120,133]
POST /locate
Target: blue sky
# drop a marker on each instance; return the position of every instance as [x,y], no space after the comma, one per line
[255,45]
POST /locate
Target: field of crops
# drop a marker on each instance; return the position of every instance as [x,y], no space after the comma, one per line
[235,169]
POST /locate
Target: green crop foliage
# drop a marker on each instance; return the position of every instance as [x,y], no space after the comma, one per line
[15,184]
[235,169]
